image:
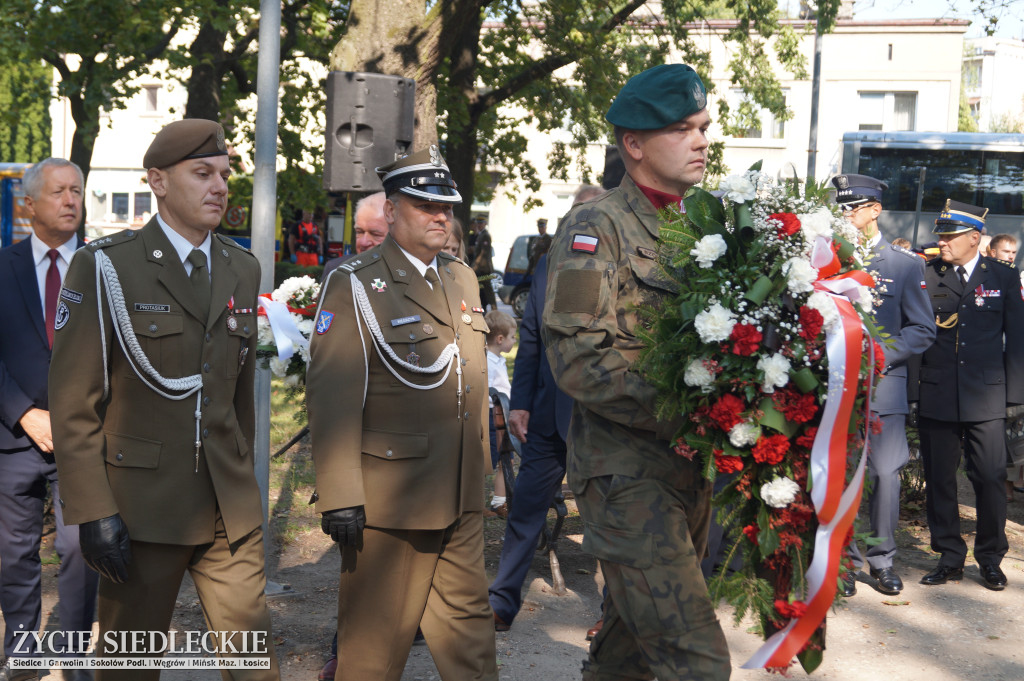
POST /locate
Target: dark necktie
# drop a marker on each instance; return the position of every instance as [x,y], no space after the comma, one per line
[52,293]
[200,279]
[435,284]
[963,274]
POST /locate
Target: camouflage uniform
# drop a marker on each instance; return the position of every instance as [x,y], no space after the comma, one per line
[646,510]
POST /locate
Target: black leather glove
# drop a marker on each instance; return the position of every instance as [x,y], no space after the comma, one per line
[345,525]
[106,547]
[912,416]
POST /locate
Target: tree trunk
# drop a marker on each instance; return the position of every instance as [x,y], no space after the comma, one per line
[204,85]
[461,149]
[397,38]
[87,126]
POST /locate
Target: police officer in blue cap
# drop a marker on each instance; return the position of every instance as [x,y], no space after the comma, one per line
[905,314]
[647,511]
[969,376]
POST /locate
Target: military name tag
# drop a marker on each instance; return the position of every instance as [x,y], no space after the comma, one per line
[151,307]
[405,320]
[71,296]
[646,252]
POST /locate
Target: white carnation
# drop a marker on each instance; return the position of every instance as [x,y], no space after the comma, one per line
[822,302]
[744,434]
[305,326]
[698,374]
[265,335]
[864,299]
[779,492]
[714,324]
[296,287]
[279,367]
[815,224]
[776,372]
[738,188]
[800,275]
[708,250]
[293,381]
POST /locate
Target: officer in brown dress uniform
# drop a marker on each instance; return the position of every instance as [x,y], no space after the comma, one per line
[151,391]
[396,391]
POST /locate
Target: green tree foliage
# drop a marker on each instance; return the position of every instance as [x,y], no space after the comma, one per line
[24,112]
[96,46]
[965,120]
[556,64]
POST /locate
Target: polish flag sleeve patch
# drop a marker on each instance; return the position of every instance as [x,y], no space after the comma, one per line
[584,243]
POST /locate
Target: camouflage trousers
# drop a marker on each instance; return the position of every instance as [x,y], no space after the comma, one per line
[650,536]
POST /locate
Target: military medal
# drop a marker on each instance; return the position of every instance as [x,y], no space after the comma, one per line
[378,285]
[241,356]
[463,305]
[478,309]
[466,319]
[232,323]
[413,359]
[428,329]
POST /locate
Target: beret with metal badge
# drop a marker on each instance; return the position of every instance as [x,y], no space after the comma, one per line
[658,97]
[181,140]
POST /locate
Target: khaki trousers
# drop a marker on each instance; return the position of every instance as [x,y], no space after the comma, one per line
[229,579]
[401,579]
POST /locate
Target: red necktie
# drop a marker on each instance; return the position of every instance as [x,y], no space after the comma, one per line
[52,293]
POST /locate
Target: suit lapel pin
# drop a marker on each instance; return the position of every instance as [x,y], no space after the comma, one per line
[158,253]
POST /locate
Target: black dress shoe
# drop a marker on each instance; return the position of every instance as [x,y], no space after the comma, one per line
[943,574]
[994,577]
[888,581]
[849,584]
[500,624]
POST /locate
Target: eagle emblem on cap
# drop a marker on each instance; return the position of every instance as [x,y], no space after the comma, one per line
[699,98]
[220,140]
[435,155]
[842,182]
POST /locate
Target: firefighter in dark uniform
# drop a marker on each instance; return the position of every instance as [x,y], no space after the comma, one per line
[969,376]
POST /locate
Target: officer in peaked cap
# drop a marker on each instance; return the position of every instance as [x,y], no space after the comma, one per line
[602,267]
[969,376]
[399,456]
[905,314]
[154,419]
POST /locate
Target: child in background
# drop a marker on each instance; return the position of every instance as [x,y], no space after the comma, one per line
[500,339]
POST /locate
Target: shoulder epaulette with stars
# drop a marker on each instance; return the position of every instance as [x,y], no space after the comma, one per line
[111,239]
[231,242]
[1005,263]
[359,262]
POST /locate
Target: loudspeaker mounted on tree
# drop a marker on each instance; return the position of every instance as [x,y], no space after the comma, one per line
[370,119]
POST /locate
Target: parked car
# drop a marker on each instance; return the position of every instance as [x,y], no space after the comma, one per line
[518,274]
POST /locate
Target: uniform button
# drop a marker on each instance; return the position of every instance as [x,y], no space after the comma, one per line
[206,401]
[206,432]
[152,328]
[457,336]
[119,457]
[467,415]
[389,453]
[412,336]
[468,388]
[208,337]
[245,329]
[465,362]
[206,367]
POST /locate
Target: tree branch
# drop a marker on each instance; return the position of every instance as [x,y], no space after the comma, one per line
[544,67]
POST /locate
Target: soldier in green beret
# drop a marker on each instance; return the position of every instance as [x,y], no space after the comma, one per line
[646,509]
[151,391]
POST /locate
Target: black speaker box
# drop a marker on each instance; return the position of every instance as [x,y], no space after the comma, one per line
[614,168]
[369,124]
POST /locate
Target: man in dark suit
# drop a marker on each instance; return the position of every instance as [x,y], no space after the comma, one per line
[539,417]
[905,315]
[973,371]
[399,429]
[31,275]
[151,388]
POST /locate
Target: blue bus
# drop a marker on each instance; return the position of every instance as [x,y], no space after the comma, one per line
[15,223]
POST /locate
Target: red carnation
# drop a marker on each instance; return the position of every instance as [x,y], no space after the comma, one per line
[771,449]
[726,411]
[751,531]
[811,322]
[790,224]
[746,339]
[795,406]
[791,610]
[727,464]
[807,439]
[879,358]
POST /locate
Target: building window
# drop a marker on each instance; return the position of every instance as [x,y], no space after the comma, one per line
[889,111]
[142,205]
[119,206]
[152,100]
[749,121]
